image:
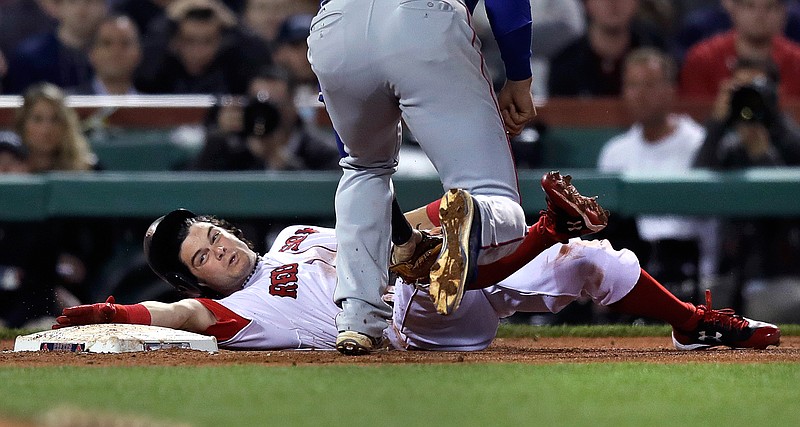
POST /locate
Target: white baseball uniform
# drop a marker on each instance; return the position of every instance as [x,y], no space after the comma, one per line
[378,61]
[288,302]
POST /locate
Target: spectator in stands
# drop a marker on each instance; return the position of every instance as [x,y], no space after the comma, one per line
[748,129]
[51,133]
[756,34]
[143,13]
[27,256]
[592,65]
[265,133]
[203,51]
[20,19]
[661,140]
[264,17]
[713,19]
[115,53]
[557,24]
[12,153]
[291,53]
[660,15]
[59,56]
[3,70]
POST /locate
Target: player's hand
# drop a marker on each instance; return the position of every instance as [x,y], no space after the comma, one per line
[87,314]
[516,105]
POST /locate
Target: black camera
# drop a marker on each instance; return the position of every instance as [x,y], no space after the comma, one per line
[756,102]
[261,116]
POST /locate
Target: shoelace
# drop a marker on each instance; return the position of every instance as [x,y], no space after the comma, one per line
[571,190]
[549,222]
[725,317]
[585,203]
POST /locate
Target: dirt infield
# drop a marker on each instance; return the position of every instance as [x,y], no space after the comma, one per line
[535,351]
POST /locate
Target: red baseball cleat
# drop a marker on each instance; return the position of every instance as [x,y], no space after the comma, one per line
[724,327]
[568,213]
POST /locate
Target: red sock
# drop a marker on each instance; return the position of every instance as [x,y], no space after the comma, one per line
[134,313]
[433,212]
[649,299]
[534,243]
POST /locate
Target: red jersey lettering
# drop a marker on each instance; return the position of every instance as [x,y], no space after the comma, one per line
[283,281]
[293,242]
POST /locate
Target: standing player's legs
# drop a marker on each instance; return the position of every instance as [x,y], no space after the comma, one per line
[366,116]
[449,105]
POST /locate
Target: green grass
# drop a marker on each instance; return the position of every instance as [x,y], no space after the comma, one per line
[594,395]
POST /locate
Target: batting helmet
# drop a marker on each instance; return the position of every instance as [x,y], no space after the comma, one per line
[162,244]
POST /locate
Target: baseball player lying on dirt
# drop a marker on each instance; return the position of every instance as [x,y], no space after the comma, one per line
[284,298]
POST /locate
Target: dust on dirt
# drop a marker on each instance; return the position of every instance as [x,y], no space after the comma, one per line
[503,350]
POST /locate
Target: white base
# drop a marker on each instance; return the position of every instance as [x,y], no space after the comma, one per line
[114,338]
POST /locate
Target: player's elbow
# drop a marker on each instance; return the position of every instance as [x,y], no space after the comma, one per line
[192,316]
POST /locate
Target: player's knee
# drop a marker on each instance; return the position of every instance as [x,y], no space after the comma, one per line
[607,274]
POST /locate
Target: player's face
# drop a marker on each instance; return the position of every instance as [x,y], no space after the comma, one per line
[216,257]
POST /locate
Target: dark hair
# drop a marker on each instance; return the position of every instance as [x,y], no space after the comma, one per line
[219,222]
[113,19]
[162,243]
[294,29]
[205,11]
[275,72]
[646,55]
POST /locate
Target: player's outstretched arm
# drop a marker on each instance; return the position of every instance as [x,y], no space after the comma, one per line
[186,314]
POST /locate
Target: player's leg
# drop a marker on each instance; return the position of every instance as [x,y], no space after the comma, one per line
[569,214]
[449,105]
[614,279]
[416,325]
[564,272]
[366,117]
[695,328]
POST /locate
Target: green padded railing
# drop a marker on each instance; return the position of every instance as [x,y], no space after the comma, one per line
[768,192]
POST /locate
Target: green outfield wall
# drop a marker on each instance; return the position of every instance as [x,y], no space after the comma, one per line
[763,192]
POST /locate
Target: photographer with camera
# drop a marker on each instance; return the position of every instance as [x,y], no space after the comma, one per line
[748,129]
[757,33]
[263,131]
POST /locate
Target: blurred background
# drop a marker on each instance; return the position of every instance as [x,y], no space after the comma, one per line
[681,115]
